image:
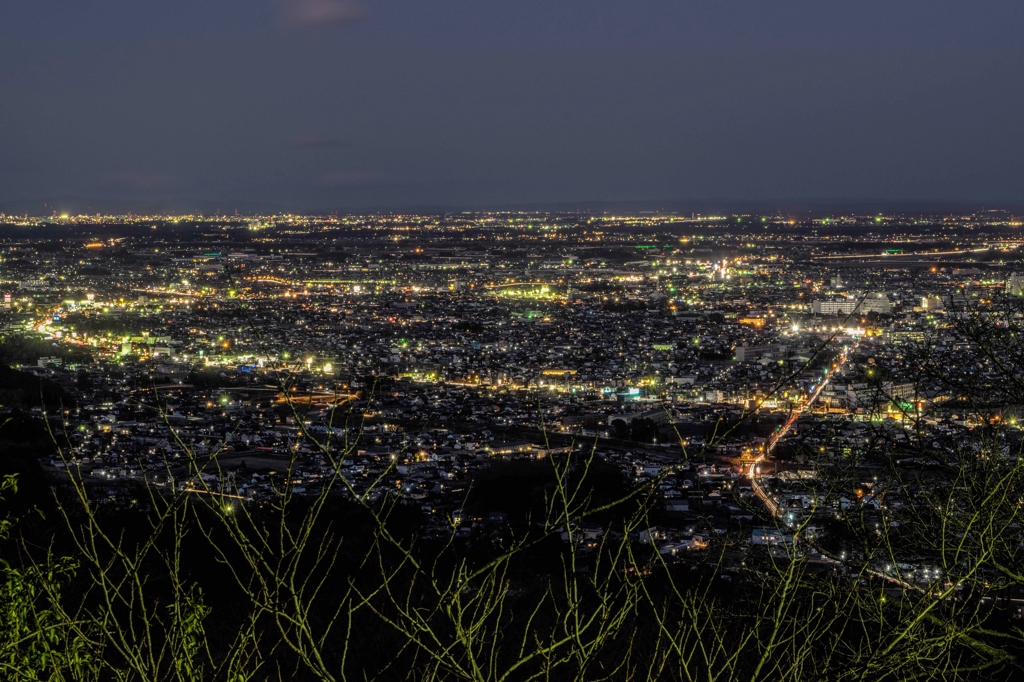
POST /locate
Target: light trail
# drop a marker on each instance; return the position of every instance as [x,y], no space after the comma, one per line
[913,254]
[519,284]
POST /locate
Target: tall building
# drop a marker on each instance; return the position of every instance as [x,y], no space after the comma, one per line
[872,303]
[845,306]
[875,303]
[751,353]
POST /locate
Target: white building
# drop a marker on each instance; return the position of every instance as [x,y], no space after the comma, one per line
[1015,285]
[844,306]
[872,303]
[751,353]
[875,303]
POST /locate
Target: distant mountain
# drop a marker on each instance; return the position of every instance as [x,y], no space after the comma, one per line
[45,206]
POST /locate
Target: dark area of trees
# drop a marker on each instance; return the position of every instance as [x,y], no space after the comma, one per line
[25,350]
[521,489]
[23,441]
[713,353]
[217,378]
[468,327]
[641,430]
[22,390]
[102,324]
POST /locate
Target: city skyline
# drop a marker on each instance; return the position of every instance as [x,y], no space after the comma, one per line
[821,414]
[509,341]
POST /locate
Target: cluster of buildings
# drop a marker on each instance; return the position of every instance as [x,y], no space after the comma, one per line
[402,355]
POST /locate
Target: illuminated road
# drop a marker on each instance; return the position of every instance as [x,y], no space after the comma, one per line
[773,506]
[912,254]
[754,473]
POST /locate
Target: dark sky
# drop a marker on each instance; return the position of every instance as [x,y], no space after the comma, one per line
[329,104]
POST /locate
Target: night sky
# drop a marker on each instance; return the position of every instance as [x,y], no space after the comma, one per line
[330,104]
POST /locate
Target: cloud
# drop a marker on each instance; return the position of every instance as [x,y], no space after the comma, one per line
[320,13]
[317,142]
[342,178]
